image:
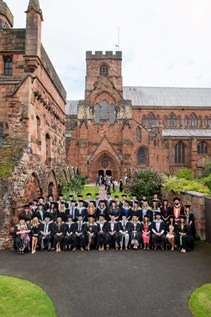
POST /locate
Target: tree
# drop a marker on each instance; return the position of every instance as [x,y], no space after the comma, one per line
[144,181]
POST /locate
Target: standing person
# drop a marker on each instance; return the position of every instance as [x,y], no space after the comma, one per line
[171,231]
[62,211]
[108,200]
[102,210]
[136,210]
[146,231]
[48,203]
[124,231]
[91,232]
[97,200]
[133,200]
[165,210]
[155,208]
[39,213]
[135,228]
[72,210]
[34,233]
[126,209]
[70,200]
[115,186]
[88,199]
[121,185]
[80,211]
[146,210]
[114,210]
[178,209]
[190,220]
[52,210]
[158,231]
[22,237]
[155,198]
[101,232]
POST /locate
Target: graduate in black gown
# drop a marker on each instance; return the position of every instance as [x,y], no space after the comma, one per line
[190,220]
[70,230]
[92,230]
[101,232]
[58,232]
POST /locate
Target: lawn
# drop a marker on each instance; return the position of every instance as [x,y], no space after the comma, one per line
[200,301]
[95,189]
[21,298]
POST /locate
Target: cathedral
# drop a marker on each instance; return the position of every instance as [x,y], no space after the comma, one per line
[45,140]
[117,129]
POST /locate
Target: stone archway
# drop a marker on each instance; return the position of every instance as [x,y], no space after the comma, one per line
[32,188]
[104,164]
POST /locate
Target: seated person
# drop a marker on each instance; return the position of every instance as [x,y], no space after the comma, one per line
[101,233]
[146,232]
[58,233]
[22,237]
[124,232]
[112,232]
[91,232]
[171,231]
[70,229]
[135,229]
[45,233]
[79,237]
[158,231]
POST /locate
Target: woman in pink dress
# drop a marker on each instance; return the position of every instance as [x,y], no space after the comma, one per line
[146,232]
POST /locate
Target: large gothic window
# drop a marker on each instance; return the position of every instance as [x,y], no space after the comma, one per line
[202,148]
[104,70]
[179,153]
[112,114]
[144,121]
[193,120]
[138,134]
[151,120]
[104,110]
[142,156]
[172,120]
[97,114]
[7,65]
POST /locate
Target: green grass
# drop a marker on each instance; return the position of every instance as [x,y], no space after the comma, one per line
[21,298]
[200,301]
[95,189]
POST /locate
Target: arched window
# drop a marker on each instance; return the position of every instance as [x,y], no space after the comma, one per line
[97,114]
[104,70]
[104,110]
[7,65]
[138,134]
[38,130]
[112,114]
[48,148]
[186,122]
[202,148]
[199,122]
[142,156]
[165,122]
[179,153]
[144,121]
[151,120]
[172,120]
[193,120]
[179,124]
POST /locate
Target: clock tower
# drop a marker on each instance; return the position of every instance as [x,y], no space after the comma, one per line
[6,17]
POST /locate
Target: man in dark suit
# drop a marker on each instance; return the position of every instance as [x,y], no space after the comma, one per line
[45,233]
[113,233]
[79,237]
[158,231]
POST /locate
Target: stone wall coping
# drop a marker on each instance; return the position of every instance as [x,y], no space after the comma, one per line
[193,193]
[100,54]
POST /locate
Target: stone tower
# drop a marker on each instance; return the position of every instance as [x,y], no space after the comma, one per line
[6,17]
[100,65]
[34,20]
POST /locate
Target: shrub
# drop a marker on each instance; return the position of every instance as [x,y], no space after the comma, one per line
[176,185]
[206,168]
[75,186]
[206,181]
[185,173]
[144,181]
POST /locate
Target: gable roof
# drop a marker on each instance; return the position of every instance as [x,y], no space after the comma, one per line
[163,96]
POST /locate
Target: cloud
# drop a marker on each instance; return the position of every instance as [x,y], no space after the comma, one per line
[164,43]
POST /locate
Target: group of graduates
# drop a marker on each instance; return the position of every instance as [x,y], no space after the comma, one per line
[101,224]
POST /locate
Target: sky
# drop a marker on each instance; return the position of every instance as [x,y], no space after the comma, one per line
[165,43]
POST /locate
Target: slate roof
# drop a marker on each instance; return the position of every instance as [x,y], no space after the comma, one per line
[186,133]
[163,96]
[72,107]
